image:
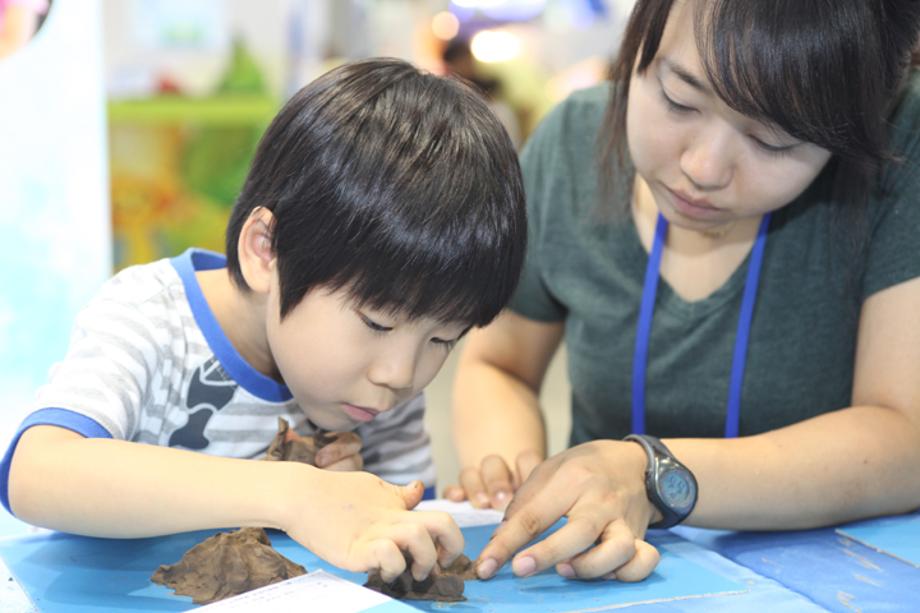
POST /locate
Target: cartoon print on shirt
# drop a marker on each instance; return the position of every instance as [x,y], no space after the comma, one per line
[209,390]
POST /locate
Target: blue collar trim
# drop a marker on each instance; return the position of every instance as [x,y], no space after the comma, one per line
[259,385]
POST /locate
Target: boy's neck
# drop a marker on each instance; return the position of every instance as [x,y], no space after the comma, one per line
[240,316]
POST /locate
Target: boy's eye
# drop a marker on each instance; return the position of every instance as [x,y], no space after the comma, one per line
[373,325]
[447,344]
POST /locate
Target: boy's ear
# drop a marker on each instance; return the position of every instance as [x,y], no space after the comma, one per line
[257,260]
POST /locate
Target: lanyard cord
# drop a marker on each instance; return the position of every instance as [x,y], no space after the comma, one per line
[644,329]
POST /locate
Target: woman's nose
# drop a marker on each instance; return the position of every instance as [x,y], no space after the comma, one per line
[708,161]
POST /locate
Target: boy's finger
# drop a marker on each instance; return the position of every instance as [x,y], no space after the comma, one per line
[471,481]
[526,463]
[497,478]
[415,539]
[386,556]
[445,532]
[411,494]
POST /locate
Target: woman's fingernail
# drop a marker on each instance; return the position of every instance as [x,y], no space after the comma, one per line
[486,568]
[524,566]
[565,570]
[482,500]
[501,496]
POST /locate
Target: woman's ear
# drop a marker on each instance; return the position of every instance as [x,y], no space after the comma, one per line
[257,260]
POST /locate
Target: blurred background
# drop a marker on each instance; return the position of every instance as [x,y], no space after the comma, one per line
[127,127]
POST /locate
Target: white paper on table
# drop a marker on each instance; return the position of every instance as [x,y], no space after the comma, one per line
[463,512]
[315,591]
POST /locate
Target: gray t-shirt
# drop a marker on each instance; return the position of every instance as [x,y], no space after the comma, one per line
[585,266]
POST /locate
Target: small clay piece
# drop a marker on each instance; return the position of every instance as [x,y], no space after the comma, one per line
[290,447]
[231,563]
[227,564]
[441,585]
[462,567]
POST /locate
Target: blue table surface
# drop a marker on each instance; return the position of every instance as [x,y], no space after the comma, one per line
[700,570]
[835,572]
[62,572]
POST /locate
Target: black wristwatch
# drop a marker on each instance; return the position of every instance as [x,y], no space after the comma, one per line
[670,485]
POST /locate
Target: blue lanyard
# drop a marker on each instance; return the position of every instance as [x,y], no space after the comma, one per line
[647,308]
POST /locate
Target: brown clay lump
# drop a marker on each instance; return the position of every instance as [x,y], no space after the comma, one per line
[288,446]
[444,585]
[227,564]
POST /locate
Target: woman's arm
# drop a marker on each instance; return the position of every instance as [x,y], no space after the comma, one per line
[498,426]
[121,489]
[853,463]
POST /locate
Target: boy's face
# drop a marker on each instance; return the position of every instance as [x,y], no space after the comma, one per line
[344,365]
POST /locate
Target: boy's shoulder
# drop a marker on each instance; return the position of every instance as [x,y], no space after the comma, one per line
[142,284]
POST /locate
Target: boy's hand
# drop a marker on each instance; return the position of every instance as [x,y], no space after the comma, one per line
[493,482]
[344,453]
[359,522]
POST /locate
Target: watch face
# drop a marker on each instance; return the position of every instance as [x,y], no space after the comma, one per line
[676,488]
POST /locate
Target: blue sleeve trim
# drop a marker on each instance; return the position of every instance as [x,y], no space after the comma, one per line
[236,366]
[63,418]
[429,493]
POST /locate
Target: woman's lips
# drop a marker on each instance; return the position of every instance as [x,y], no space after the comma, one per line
[692,208]
[362,414]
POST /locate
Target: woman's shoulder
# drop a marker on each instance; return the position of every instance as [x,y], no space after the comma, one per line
[585,108]
[905,121]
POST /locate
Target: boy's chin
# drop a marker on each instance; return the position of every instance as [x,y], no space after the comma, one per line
[332,423]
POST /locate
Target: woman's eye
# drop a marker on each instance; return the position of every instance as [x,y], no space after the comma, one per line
[674,107]
[777,150]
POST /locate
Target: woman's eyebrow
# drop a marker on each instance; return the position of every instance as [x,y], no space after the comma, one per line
[685,75]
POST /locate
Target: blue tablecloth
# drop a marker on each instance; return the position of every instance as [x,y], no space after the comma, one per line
[74,574]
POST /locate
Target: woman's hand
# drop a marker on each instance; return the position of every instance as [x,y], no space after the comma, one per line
[492,483]
[600,488]
[362,523]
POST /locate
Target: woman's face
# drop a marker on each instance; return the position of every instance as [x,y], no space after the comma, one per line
[705,164]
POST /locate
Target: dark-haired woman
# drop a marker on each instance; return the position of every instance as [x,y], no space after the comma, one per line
[735,270]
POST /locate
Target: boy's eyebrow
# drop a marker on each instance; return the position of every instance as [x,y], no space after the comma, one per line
[685,75]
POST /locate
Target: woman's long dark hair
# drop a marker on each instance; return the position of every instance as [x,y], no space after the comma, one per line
[828,73]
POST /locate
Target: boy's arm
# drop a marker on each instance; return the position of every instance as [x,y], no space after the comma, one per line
[114,488]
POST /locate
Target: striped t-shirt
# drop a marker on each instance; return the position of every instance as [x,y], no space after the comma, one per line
[149,363]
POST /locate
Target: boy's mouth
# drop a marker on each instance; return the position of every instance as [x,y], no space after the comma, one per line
[358,413]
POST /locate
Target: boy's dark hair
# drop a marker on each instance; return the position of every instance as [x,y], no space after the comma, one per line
[828,73]
[397,185]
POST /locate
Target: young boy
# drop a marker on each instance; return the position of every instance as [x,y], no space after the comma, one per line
[382,217]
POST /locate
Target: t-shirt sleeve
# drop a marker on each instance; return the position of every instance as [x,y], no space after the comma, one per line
[99,387]
[893,253]
[396,446]
[108,367]
[539,161]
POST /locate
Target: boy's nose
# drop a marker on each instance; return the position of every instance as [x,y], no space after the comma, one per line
[394,371]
